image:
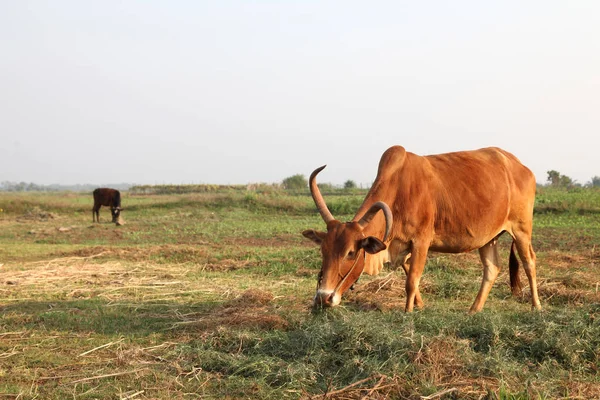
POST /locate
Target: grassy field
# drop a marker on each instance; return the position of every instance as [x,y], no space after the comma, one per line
[208,296]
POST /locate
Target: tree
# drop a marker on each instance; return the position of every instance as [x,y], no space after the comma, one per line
[297,181]
[557,180]
[553,178]
[565,181]
[595,182]
[349,184]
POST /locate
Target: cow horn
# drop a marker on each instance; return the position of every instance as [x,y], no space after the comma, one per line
[318,198]
[389,219]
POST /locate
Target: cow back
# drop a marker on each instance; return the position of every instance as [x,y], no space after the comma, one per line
[107,197]
[458,201]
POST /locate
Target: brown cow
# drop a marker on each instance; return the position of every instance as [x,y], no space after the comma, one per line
[109,198]
[449,203]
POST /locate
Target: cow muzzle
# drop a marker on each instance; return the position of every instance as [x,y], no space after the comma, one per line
[326,299]
[331,298]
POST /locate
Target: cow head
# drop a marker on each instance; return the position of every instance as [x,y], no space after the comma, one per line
[116,214]
[343,247]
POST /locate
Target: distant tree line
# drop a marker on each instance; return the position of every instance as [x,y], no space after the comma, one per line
[299,182]
[295,182]
[8,186]
[202,188]
[556,179]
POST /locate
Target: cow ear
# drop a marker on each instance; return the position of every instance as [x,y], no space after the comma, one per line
[315,236]
[372,245]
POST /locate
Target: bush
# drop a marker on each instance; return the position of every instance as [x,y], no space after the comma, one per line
[297,181]
[349,184]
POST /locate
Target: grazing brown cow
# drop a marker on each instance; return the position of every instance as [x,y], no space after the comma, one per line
[109,198]
[449,203]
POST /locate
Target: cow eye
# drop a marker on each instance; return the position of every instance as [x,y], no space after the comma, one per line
[351,254]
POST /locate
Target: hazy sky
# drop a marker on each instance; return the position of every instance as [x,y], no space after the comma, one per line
[234,92]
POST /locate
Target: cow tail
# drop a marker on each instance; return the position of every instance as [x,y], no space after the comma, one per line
[513,267]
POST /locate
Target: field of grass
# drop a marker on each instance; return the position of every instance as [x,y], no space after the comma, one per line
[208,296]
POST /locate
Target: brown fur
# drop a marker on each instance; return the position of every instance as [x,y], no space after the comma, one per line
[451,203]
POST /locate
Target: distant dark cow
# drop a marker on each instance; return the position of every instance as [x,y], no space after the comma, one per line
[108,198]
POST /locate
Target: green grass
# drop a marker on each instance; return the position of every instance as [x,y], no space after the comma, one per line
[208,295]
[572,201]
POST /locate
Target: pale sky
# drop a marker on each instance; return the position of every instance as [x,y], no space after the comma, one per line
[234,92]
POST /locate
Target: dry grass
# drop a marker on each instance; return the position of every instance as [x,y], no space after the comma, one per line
[250,309]
[440,362]
[190,301]
[80,278]
[37,214]
[383,294]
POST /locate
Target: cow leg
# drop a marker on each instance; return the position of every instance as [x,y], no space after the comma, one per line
[527,255]
[96,214]
[406,267]
[491,269]
[418,258]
